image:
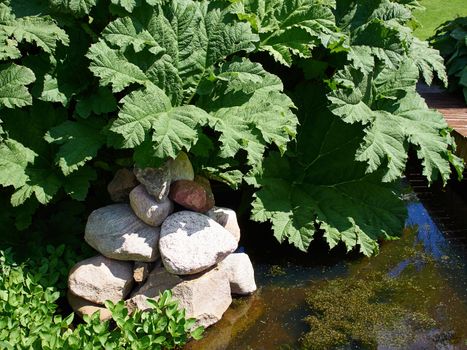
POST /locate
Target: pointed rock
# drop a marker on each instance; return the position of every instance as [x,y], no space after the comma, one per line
[191,242]
[155,180]
[117,233]
[147,208]
[98,279]
[227,218]
[181,168]
[240,272]
[121,185]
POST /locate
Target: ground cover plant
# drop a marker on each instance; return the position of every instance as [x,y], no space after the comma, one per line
[451,40]
[311,102]
[29,318]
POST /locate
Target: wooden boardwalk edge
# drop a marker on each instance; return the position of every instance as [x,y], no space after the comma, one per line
[454,111]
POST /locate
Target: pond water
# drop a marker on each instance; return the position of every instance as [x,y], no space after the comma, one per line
[413,295]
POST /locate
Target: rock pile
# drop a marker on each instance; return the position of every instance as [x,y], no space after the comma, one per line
[146,248]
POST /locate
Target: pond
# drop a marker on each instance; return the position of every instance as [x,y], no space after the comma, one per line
[413,295]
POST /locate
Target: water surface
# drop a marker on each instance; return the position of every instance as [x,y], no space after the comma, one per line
[421,280]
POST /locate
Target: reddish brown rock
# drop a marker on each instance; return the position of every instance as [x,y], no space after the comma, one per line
[192,195]
[121,185]
[207,187]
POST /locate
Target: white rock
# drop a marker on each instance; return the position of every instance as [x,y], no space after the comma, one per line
[157,282]
[191,242]
[239,270]
[117,233]
[147,208]
[204,296]
[227,218]
[98,279]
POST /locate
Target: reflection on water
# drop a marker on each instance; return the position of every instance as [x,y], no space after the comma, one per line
[434,243]
[424,303]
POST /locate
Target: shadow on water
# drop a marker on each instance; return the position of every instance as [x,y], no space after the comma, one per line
[413,295]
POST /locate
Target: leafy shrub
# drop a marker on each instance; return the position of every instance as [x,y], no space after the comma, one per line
[451,40]
[29,317]
[311,102]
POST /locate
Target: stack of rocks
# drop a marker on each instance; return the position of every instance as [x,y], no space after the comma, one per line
[146,248]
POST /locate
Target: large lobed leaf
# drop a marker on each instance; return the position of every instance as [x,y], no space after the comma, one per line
[40,31]
[148,114]
[182,52]
[28,158]
[247,106]
[13,82]
[289,28]
[174,44]
[395,116]
[320,188]
[78,8]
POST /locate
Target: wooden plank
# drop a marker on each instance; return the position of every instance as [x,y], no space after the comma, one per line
[454,111]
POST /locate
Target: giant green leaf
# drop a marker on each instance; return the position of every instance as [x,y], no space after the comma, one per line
[128,5]
[321,188]
[174,44]
[149,113]
[42,183]
[13,89]
[112,67]
[249,109]
[78,8]
[14,159]
[79,142]
[428,61]
[41,31]
[288,28]
[395,116]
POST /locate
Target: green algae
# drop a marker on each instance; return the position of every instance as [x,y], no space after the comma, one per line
[370,306]
[276,270]
[356,310]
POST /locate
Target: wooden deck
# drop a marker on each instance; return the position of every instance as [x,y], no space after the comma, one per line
[454,111]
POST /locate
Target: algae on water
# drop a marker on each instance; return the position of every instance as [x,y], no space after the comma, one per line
[380,302]
[358,311]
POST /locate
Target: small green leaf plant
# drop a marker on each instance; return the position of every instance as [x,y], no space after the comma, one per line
[29,317]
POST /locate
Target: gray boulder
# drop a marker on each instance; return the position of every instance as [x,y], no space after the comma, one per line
[227,218]
[147,208]
[239,271]
[117,233]
[98,279]
[191,242]
[204,296]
